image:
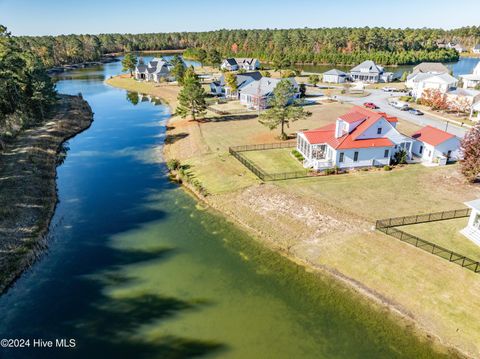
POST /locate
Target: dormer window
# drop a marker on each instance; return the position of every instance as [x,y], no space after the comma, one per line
[379,131]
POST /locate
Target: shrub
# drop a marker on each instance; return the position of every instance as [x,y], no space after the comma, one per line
[173,164]
[298,155]
[400,157]
[387,168]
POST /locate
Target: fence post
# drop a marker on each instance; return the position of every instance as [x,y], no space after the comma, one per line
[476,267]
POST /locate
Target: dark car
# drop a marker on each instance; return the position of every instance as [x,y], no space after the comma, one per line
[370,105]
[415,112]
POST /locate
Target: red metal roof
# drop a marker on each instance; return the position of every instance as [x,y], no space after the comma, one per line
[431,135]
[326,134]
[353,116]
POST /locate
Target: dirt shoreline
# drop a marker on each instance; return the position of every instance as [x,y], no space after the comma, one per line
[391,308]
[28,192]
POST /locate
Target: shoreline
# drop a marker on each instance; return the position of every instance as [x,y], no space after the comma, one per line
[26,219]
[374,298]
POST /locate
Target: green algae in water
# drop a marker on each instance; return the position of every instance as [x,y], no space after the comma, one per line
[241,300]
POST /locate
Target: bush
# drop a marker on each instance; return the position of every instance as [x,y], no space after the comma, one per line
[298,155]
[173,164]
[400,157]
[387,168]
[407,99]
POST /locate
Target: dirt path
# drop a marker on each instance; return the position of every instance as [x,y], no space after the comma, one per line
[28,188]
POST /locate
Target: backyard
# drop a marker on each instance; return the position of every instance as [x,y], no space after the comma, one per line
[446,234]
[275,160]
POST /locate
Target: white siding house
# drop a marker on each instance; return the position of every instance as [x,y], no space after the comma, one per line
[472,80]
[420,82]
[240,63]
[369,71]
[360,138]
[472,231]
[334,76]
[156,70]
[255,94]
[434,146]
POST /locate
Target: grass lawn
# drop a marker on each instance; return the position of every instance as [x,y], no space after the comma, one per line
[275,161]
[377,194]
[446,234]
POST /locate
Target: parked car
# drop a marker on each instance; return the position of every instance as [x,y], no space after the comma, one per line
[370,105]
[389,89]
[400,105]
[416,112]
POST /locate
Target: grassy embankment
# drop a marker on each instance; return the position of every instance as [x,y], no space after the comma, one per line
[327,222]
[27,184]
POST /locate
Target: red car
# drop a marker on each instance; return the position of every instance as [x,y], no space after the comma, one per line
[370,105]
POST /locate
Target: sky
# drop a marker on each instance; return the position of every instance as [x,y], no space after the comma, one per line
[54,17]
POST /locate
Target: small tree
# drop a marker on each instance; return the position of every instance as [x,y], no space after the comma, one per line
[129,62]
[470,165]
[231,81]
[314,80]
[404,76]
[178,70]
[191,99]
[283,110]
[434,99]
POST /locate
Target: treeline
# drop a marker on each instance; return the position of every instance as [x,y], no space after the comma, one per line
[326,45]
[26,92]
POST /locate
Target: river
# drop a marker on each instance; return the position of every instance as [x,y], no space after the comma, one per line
[137,268]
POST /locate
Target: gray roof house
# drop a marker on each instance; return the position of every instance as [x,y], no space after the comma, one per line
[476,49]
[430,67]
[219,87]
[255,94]
[156,70]
[237,63]
[334,76]
[369,71]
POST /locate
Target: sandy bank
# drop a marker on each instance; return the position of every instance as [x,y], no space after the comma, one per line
[27,185]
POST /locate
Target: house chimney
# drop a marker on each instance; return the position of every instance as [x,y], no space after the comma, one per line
[339,128]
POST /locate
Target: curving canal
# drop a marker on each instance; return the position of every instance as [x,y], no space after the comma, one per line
[136,268]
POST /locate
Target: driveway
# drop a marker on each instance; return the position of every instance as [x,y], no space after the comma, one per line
[380,98]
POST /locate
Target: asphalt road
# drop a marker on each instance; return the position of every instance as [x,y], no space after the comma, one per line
[380,98]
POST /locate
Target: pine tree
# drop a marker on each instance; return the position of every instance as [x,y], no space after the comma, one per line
[191,99]
[470,165]
[283,110]
[129,62]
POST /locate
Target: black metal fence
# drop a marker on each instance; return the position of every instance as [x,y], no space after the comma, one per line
[259,172]
[423,218]
[387,226]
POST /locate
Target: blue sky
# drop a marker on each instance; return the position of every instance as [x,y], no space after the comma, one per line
[52,17]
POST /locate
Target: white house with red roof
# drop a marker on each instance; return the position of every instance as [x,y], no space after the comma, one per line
[359,138]
[433,145]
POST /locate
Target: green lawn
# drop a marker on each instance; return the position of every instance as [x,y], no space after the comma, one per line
[446,234]
[377,194]
[275,161]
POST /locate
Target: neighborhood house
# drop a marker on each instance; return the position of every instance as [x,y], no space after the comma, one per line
[255,94]
[235,64]
[369,71]
[334,76]
[359,138]
[156,70]
[472,231]
[436,146]
[421,81]
[476,49]
[472,80]
[252,90]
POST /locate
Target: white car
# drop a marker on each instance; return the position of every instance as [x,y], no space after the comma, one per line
[389,89]
[399,104]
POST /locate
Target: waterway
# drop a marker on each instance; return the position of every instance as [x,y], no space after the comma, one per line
[137,268]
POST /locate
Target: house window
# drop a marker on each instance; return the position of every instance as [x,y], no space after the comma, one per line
[387,152]
[421,149]
[379,131]
[430,153]
[355,157]
[342,155]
